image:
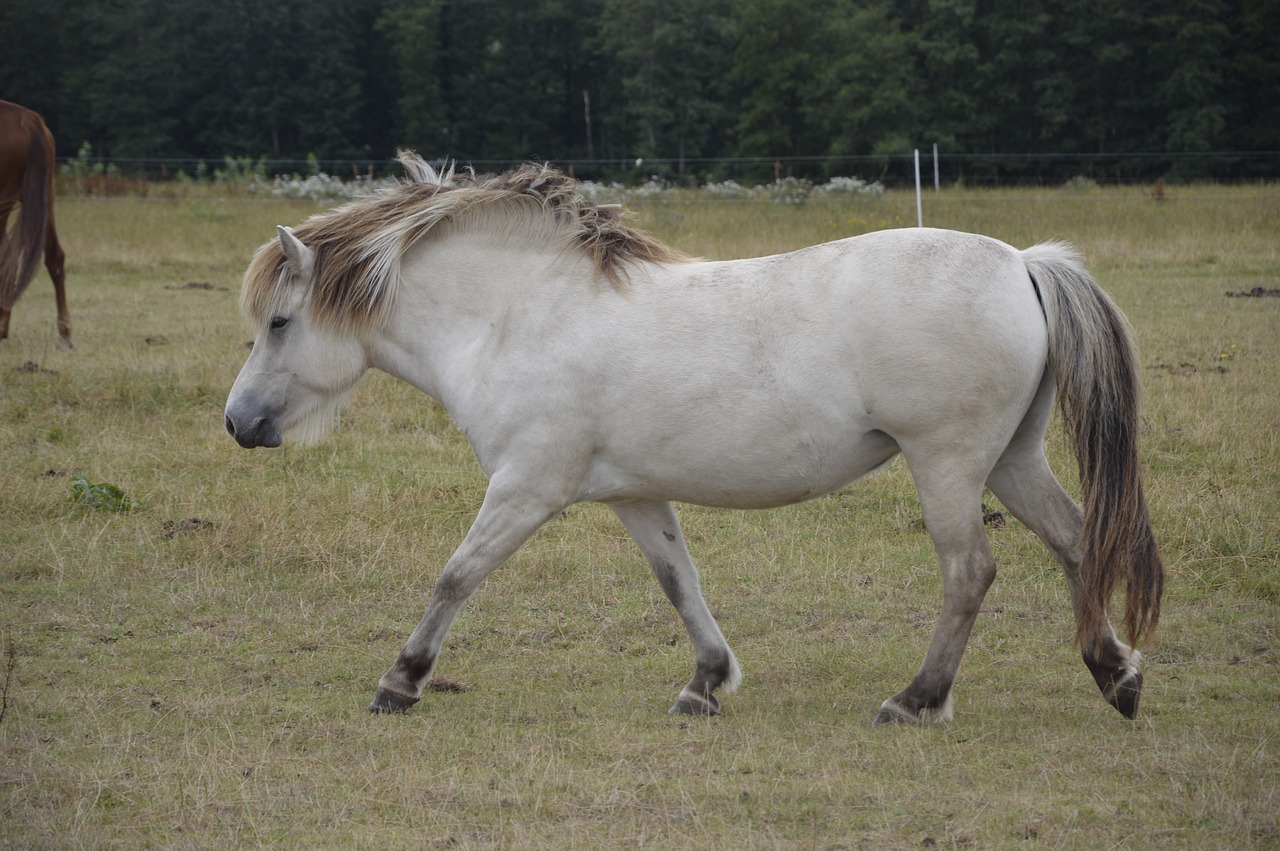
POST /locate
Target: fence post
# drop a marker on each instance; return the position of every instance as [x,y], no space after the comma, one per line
[919,206]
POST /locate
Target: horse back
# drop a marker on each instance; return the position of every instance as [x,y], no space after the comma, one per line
[808,369]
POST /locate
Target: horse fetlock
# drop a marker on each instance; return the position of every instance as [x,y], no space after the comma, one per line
[733,678]
[938,714]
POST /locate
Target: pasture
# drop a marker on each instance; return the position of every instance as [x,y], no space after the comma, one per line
[194,672]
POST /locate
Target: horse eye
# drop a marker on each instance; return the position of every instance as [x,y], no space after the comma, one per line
[278,322]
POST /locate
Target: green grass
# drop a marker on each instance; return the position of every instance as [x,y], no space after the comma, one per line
[203,684]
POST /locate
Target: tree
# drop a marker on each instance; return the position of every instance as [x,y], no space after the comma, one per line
[1195,38]
[777,61]
[32,39]
[278,78]
[414,33]
[866,96]
[503,80]
[1253,78]
[672,61]
[941,36]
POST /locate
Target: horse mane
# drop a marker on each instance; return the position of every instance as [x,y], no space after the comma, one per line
[358,246]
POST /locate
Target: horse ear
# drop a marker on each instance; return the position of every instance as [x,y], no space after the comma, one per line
[296,255]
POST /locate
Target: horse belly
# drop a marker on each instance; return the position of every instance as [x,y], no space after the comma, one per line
[739,461]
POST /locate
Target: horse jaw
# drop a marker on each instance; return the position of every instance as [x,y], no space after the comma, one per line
[313,426]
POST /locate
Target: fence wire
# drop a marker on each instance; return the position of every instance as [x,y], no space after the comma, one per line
[895,171]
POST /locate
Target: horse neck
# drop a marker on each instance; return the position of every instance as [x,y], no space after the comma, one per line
[459,293]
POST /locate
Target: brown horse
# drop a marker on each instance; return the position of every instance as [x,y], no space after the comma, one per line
[27,159]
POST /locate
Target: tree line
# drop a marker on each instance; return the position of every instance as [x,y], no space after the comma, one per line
[678,84]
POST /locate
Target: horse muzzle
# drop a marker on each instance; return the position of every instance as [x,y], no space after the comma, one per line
[261,431]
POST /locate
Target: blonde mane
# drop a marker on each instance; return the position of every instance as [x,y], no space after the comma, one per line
[358,246]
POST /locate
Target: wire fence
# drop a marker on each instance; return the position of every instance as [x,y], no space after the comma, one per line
[895,171]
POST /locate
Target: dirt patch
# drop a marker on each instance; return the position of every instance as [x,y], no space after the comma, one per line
[173,528]
[448,686]
[33,367]
[197,285]
[1185,369]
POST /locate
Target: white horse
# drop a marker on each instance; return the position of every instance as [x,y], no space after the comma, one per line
[586,361]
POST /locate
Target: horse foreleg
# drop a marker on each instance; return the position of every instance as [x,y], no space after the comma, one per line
[954,521]
[655,528]
[508,516]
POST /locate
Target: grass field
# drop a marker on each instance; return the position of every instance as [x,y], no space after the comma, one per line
[194,672]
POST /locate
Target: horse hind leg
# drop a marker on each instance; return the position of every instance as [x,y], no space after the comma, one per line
[55,262]
[951,500]
[5,310]
[1023,481]
[656,530]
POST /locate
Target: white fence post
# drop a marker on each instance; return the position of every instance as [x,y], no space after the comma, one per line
[919,206]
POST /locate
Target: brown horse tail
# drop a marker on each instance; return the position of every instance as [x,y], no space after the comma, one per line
[1095,367]
[22,246]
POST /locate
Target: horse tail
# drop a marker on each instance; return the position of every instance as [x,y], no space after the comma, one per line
[1095,367]
[22,246]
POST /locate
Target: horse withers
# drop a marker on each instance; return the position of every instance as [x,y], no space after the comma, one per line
[27,160]
[587,361]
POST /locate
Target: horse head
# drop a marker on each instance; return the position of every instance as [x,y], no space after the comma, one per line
[300,371]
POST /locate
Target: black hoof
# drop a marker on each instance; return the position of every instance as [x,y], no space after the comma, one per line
[1125,694]
[387,702]
[1120,683]
[692,704]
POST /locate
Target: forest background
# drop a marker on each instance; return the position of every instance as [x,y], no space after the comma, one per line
[693,90]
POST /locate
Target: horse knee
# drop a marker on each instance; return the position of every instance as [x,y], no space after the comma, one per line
[454,586]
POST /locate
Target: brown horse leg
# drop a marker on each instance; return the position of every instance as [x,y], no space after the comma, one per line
[55,262]
[5,209]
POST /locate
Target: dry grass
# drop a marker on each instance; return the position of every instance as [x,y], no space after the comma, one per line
[203,685]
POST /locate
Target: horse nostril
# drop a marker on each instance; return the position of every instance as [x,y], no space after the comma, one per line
[231,427]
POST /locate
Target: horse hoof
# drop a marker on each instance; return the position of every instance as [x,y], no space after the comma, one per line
[1124,695]
[694,704]
[891,713]
[388,702]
